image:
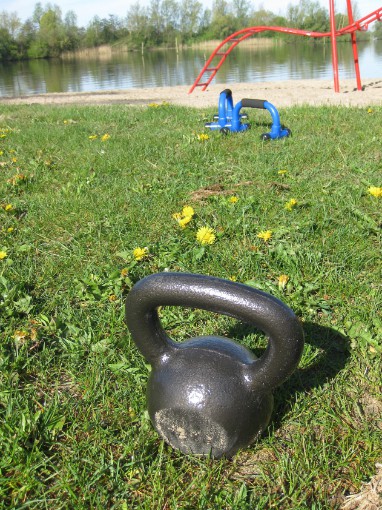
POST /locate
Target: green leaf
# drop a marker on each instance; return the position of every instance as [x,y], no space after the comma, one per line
[23,305]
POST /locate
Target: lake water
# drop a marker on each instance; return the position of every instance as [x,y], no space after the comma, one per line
[125,70]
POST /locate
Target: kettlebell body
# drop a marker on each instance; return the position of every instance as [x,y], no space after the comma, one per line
[210,395]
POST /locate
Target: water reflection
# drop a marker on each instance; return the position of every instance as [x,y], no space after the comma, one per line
[123,70]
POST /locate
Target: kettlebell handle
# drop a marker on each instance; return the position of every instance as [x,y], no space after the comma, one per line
[265,312]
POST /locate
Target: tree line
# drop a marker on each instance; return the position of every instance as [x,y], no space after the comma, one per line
[164,23]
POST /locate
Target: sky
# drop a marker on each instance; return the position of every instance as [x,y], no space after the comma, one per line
[87,9]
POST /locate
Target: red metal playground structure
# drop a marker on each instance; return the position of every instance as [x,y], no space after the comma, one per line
[221,52]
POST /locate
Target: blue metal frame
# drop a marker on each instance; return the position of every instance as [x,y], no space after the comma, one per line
[230,119]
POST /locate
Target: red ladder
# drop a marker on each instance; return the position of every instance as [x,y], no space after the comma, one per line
[211,69]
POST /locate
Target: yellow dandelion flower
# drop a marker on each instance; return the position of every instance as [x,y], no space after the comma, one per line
[20,335]
[93,137]
[184,221]
[233,200]
[203,137]
[188,211]
[206,235]
[14,160]
[290,204]
[375,191]
[124,272]
[112,298]
[283,280]
[105,137]
[265,235]
[369,110]
[184,217]
[140,253]
[8,207]
[10,230]
[3,255]
[282,172]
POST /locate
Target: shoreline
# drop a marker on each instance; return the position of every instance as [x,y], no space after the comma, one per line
[281,93]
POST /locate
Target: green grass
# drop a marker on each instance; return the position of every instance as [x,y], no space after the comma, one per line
[74,431]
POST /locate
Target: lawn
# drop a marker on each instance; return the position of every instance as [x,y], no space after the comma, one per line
[81,190]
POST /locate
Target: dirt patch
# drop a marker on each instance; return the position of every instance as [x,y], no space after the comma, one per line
[248,466]
[370,497]
[216,190]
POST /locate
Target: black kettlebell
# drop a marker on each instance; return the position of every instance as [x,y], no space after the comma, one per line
[210,395]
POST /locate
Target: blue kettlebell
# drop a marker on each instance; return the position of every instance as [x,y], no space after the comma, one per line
[210,395]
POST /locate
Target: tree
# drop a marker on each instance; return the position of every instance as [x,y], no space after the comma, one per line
[377,30]
[11,22]
[10,28]
[138,24]
[156,22]
[8,46]
[241,9]
[50,38]
[264,18]
[170,16]
[308,15]
[37,13]
[92,37]
[111,29]
[27,35]
[51,33]
[72,32]
[223,22]
[190,12]
[205,22]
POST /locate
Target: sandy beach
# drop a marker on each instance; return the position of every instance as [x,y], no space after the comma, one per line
[281,94]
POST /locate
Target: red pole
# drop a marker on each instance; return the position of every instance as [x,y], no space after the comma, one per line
[354,45]
[334,46]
